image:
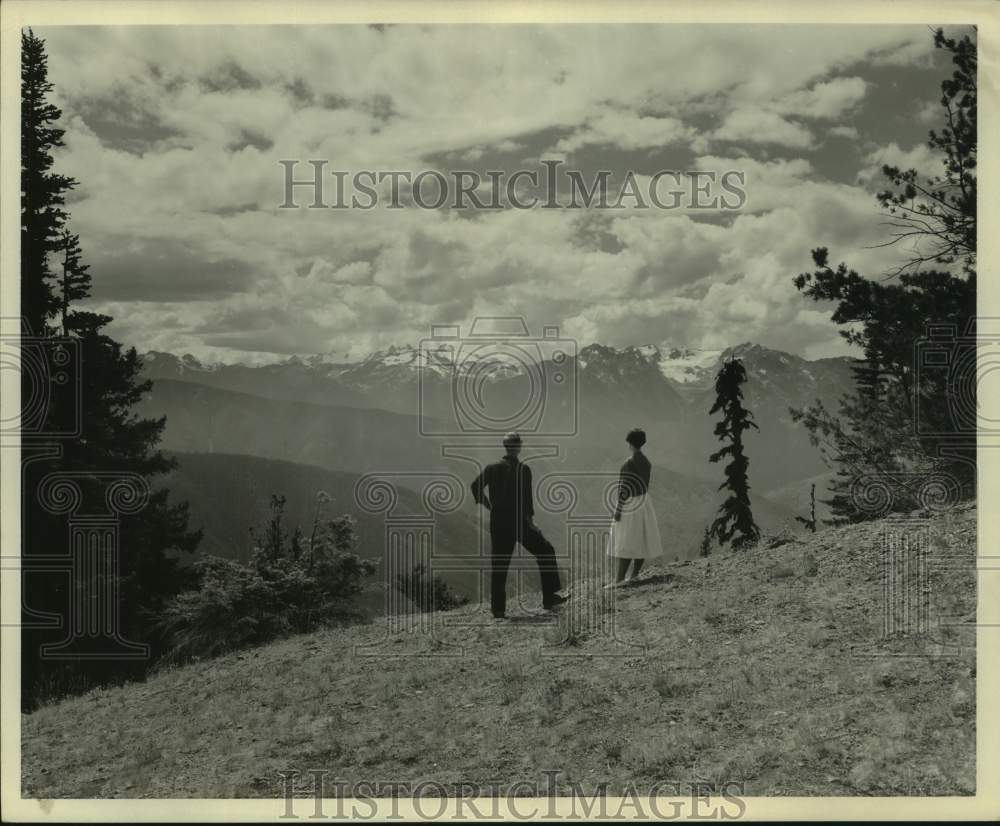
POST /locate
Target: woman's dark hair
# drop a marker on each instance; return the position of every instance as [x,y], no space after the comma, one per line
[636,437]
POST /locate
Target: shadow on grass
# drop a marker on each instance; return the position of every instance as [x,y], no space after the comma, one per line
[533,619]
[655,579]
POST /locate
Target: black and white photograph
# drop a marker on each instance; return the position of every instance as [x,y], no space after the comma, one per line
[492,418]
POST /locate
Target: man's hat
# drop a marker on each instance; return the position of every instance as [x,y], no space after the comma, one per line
[512,438]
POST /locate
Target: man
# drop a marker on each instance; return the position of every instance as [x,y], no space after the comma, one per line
[509,501]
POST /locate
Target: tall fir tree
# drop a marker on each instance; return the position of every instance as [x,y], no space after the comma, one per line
[42,190]
[900,422]
[114,441]
[735,521]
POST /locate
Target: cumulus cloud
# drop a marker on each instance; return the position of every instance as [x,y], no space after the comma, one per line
[176,144]
[920,157]
[825,100]
[929,112]
[842,131]
[626,130]
[756,125]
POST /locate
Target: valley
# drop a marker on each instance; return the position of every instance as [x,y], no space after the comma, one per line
[243,433]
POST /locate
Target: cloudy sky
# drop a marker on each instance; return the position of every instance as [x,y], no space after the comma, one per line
[175,134]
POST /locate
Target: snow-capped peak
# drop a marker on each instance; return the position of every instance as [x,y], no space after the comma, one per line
[687,365]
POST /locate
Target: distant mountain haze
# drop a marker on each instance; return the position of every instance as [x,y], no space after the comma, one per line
[206,419]
[666,390]
[230,494]
[375,416]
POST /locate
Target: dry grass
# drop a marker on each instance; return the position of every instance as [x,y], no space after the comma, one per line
[764,668]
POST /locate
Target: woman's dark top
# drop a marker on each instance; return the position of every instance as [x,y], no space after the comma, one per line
[634,480]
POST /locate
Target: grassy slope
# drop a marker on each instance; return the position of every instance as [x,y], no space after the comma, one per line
[749,675]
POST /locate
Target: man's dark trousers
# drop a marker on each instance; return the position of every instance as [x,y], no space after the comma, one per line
[504,534]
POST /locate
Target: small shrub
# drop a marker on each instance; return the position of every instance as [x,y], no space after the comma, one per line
[570,630]
[810,522]
[816,637]
[613,751]
[512,680]
[731,695]
[512,671]
[552,701]
[779,571]
[290,585]
[428,593]
[668,687]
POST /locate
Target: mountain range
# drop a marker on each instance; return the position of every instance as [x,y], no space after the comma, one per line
[410,411]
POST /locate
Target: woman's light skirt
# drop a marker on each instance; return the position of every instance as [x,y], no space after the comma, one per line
[636,535]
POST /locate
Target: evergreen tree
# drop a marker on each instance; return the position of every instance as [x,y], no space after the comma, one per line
[705,548]
[114,440]
[898,423]
[74,283]
[810,523]
[939,213]
[735,517]
[42,190]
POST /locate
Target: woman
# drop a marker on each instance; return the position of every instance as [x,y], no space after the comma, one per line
[635,536]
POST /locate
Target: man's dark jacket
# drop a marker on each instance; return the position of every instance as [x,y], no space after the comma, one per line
[509,484]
